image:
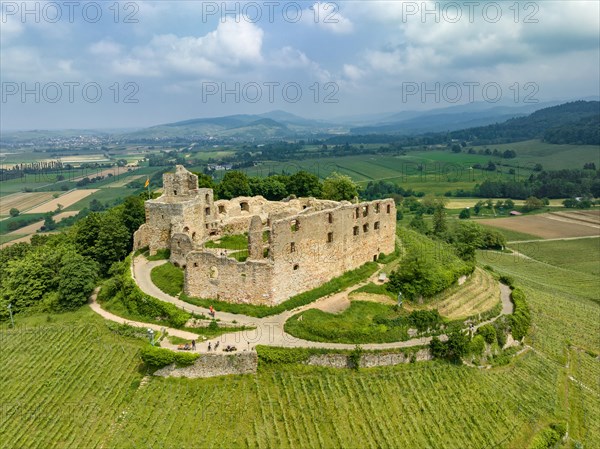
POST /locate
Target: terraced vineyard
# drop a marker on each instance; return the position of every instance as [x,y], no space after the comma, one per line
[429,405]
[479,294]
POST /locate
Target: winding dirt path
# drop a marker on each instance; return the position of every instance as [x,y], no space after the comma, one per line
[267,331]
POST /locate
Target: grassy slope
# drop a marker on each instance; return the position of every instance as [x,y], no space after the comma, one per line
[566,312]
[416,405]
[168,278]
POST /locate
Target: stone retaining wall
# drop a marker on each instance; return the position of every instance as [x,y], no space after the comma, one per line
[367,360]
[212,365]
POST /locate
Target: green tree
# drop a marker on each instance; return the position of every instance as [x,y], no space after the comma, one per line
[49,223]
[133,213]
[418,224]
[532,203]
[439,221]
[234,184]
[205,181]
[457,346]
[112,243]
[464,214]
[304,184]
[338,187]
[78,277]
[14,212]
[272,187]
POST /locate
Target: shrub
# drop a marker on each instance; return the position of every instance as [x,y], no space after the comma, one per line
[508,280]
[477,345]
[423,319]
[274,355]
[548,437]
[488,332]
[354,357]
[520,320]
[123,290]
[438,348]
[156,357]
[457,346]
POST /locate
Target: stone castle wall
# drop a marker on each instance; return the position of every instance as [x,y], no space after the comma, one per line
[310,241]
[212,276]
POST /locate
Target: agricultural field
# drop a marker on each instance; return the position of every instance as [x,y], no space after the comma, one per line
[71,382]
[551,156]
[66,200]
[550,225]
[565,307]
[442,170]
[65,380]
[24,201]
[577,255]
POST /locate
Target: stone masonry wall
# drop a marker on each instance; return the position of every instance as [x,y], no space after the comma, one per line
[311,241]
[211,365]
[313,248]
[367,360]
[211,276]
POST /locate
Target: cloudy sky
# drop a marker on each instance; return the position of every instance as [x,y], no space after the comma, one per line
[132,64]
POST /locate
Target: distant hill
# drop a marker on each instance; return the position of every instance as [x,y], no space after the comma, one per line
[585,131]
[446,119]
[270,125]
[555,123]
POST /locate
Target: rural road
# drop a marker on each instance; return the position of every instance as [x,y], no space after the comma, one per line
[267,331]
[514,242]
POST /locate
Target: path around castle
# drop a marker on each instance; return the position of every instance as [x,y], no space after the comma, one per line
[267,331]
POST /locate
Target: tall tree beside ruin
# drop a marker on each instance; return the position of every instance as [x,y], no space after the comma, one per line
[339,187]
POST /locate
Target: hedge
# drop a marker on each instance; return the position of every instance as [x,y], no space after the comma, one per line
[156,357]
[520,320]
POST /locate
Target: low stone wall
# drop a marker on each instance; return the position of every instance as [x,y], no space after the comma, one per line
[368,360]
[212,365]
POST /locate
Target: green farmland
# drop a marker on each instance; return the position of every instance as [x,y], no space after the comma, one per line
[426,404]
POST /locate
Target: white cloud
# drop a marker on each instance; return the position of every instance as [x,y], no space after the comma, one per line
[327,16]
[231,45]
[105,47]
[28,64]
[352,72]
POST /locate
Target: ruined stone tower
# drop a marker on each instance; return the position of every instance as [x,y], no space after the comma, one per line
[182,215]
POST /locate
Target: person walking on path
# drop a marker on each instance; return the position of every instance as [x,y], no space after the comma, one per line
[193,345]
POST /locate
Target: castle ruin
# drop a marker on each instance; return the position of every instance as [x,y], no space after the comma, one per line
[292,246]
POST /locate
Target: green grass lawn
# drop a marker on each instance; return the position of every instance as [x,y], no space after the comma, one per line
[235,242]
[356,324]
[168,278]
